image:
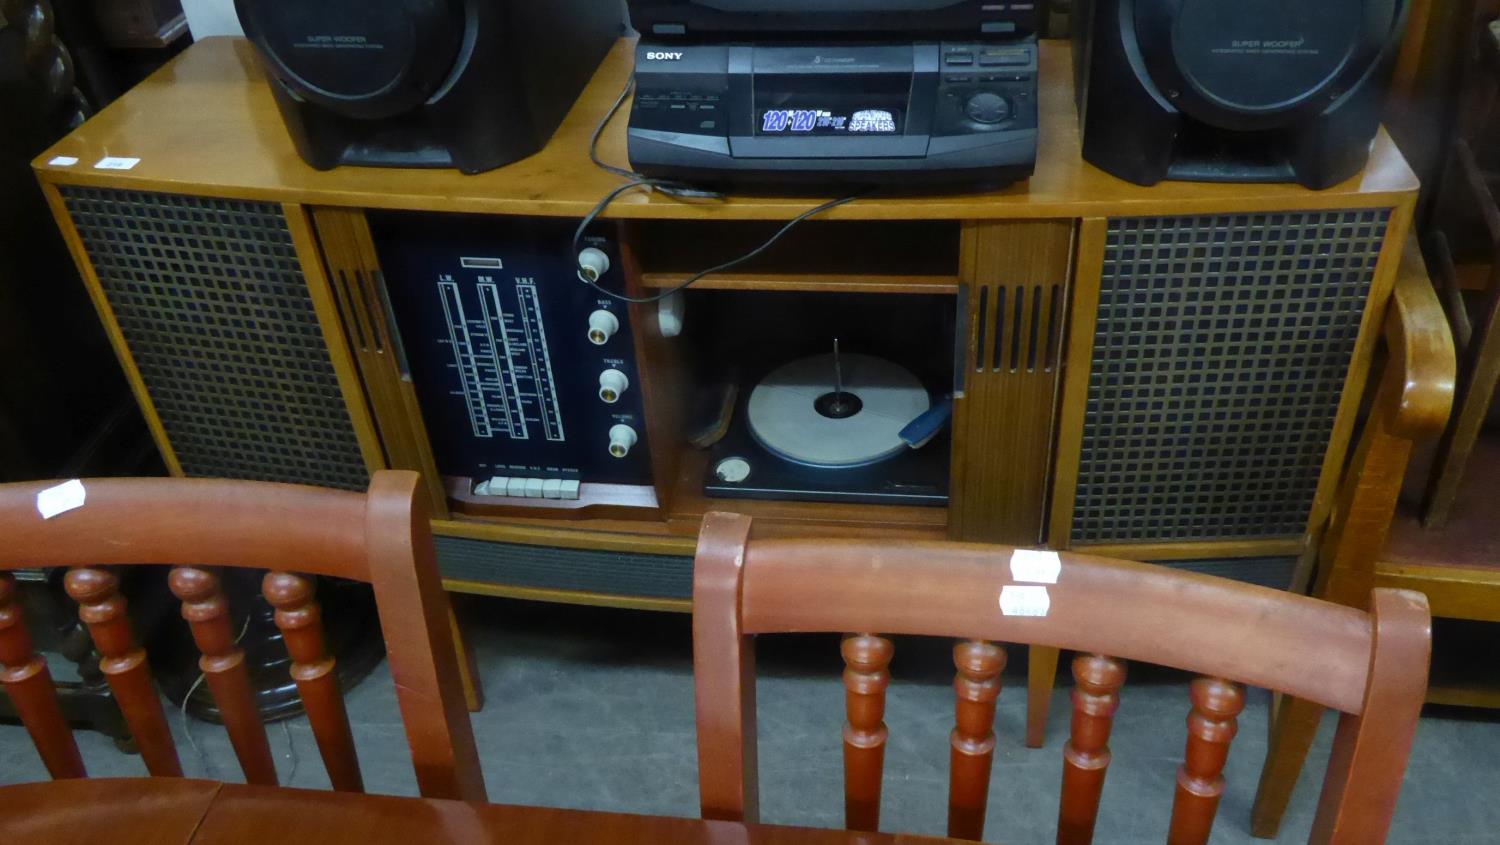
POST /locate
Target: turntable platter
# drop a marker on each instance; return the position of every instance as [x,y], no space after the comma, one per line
[798,413]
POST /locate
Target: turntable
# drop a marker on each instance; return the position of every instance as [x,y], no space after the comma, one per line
[837,427]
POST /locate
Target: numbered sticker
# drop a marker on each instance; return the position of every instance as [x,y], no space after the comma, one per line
[1035,567]
[61,499]
[117,163]
[1025,601]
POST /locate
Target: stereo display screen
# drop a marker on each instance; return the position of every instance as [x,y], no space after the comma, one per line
[831,104]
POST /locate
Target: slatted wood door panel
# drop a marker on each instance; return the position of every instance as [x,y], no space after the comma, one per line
[1017,278]
[358,286]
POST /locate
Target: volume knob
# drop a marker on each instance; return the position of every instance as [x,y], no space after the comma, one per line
[987,107]
[621,439]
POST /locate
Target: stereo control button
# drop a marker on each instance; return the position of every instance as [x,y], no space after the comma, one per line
[987,107]
[552,488]
[1004,56]
[570,490]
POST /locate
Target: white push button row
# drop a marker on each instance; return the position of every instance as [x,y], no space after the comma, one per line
[528,488]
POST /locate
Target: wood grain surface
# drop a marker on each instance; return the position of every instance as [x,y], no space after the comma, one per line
[196,812]
[123,811]
[206,124]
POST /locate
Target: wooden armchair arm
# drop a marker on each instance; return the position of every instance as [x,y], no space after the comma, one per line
[1413,403]
[1417,396]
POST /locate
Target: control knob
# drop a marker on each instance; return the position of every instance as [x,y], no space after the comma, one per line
[602,327]
[987,107]
[621,438]
[612,385]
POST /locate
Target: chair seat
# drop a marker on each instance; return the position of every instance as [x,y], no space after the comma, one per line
[1471,539]
[1457,565]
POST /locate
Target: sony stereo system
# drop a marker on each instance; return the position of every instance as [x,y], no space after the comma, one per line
[859,91]
[467,84]
[1253,90]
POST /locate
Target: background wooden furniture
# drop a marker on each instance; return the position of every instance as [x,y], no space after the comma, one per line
[380,538]
[1411,404]
[196,812]
[1463,240]
[1161,347]
[1440,539]
[1370,666]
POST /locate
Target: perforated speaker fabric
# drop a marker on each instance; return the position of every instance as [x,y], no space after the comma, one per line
[1220,355]
[212,303]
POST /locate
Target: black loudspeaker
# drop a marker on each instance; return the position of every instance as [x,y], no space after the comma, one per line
[471,84]
[1243,91]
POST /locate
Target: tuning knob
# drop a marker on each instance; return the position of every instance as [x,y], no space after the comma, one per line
[987,107]
[593,263]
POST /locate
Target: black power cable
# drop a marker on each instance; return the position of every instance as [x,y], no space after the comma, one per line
[679,190]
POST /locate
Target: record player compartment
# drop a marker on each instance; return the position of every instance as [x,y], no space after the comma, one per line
[807,396]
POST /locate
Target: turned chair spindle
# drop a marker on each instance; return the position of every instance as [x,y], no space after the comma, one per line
[28,682]
[1200,781]
[867,659]
[300,618]
[223,665]
[123,662]
[1096,696]
[976,691]
[1371,666]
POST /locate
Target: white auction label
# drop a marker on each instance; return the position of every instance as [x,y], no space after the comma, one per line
[1035,567]
[117,163]
[63,161]
[1024,601]
[60,499]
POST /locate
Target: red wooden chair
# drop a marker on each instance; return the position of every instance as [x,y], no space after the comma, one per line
[381,538]
[1371,666]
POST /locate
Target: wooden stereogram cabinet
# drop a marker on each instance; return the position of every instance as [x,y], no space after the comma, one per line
[1168,374]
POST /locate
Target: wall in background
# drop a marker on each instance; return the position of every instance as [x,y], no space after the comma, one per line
[211,17]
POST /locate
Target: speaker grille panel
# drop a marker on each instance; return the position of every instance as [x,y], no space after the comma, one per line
[214,307]
[542,567]
[1219,361]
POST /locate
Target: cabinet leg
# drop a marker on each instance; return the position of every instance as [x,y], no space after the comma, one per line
[468,668]
[1040,679]
[1294,724]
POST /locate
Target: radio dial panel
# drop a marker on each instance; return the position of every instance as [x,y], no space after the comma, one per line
[525,374]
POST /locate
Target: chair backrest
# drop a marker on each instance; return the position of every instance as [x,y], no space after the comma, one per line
[381,538]
[1372,667]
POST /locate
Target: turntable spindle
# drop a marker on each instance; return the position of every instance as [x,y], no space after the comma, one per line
[840,404]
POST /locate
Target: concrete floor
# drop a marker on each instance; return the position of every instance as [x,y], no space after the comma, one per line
[593,709]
